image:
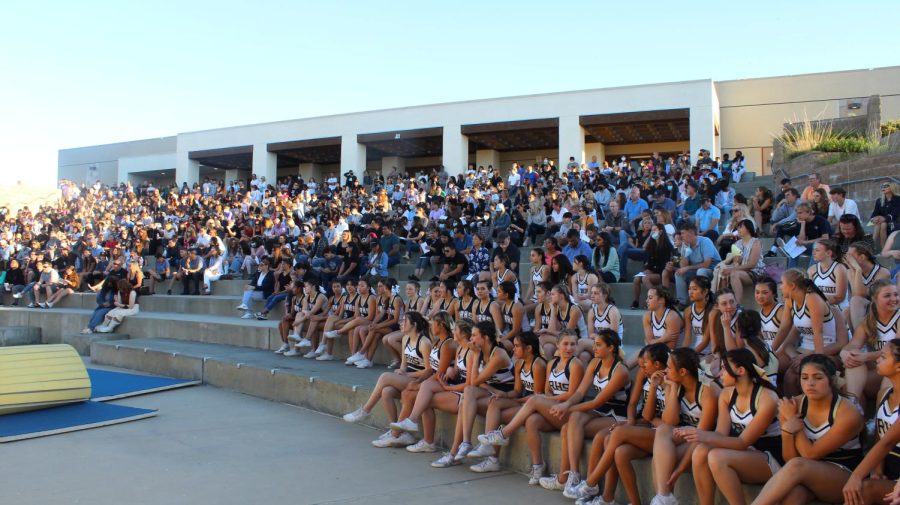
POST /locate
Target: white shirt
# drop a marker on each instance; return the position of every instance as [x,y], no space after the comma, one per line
[836,212]
[513,179]
[557,217]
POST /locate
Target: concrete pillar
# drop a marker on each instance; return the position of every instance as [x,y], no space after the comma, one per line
[186,169]
[389,162]
[703,131]
[265,164]
[485,157]
[571,141]
[237,175]
[353,157]
[455,153]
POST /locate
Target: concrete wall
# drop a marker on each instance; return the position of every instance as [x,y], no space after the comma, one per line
[74,164]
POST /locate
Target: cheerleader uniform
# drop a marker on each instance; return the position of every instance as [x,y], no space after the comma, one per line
[886,332]
[483,313]
[803,323]
[770,441]
[559,381]
[660,399]
[565,317]
[885,418]
[690,410]
[658,327]
[415,361]
[581,285]
[826,281]
[848,455]
[363,305]
[770,324]
[508,319]
[465,310]
[502,379]
[526,377]
[434,357]
[696,327]
[544,322]
[536,277]
[616,406]
[602,320]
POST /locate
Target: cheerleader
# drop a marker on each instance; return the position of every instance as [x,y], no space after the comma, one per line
[607,378]
[565,314]
[535,415]
[530,374]
[441,392]
[392,340]
[487,310]
[490,374]
[602,313]
[465,292]
[333,324]
[441,357]
[696,315]
[390,306]
[688,403]
[292,306]
[882,461]
[314,304]
[539,273]
[819,439]
[880,326]
[435,298]
[502,273]
[362,318]
[513,312]
[414,366]
[449,301]
[611,455]
[771,312]
[863,271]
[542,312]
[747,335]
[332,309]
[723,321]
[581,282]
[821,329]
[662,323]
[829,274]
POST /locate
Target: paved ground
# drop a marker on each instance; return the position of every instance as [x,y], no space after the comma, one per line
[213,446]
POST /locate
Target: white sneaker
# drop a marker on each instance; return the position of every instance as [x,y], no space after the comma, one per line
[583,491]
[407,425]
[283,349]
[571,483]
[332,334]
[320,350]
[493,437]
[310,355]
[384,436]
[356,416]
[103,329]
[242,307]
[364,363]
[293,337]
[597,500]
[464,449]
[325,357]
[446,460]
[304,342]
[247,315]
[551,483]
[404,440]
[393,364]
[491,464]
[482,451]
[422,446]
[353,359]
[537,471]
[668,499]
[293,352]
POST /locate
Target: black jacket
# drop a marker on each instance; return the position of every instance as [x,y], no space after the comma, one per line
[268,283]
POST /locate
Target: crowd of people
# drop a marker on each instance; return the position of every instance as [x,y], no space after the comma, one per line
[773,396]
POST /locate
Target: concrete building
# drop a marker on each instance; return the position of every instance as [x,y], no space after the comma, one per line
[722,116]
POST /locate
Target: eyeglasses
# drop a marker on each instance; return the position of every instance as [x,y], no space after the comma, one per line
[885,186]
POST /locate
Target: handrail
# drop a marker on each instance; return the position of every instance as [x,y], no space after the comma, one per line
[892,178]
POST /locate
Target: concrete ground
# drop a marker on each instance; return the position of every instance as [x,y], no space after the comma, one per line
[209,445]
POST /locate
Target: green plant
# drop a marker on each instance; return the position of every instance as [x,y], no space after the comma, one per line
[845,144]
[890,127]
[803,136]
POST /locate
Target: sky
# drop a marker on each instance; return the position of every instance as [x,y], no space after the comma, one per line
[92,72]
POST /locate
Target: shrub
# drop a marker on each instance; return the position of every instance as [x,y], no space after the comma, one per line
[845,144]
[890,127]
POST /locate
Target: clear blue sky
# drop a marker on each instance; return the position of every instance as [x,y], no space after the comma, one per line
[84,73]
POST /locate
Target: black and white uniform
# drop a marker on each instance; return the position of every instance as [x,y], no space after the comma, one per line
[826,281]
[502,379]
[660,399]
[870,278]
[410,306]
[526,377]
[770,322]
[537,275]
[508,319]
[848,455]
[885,418]
[461,357]
[803,323]
[483,312]
[696,326]
[415,360]
[363,305]
[498,278]
[770,441]
[581,285]
[658,327]
[466,309]
[544,321]
[311,304]
[886,332]
[617,405]
[559,381]
[602,320]
[336,303]
[434,357]
[565,316]
[690,410]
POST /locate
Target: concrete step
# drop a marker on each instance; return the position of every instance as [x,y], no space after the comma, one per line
[19,335]
[325,387]
[214,305]
[82,342]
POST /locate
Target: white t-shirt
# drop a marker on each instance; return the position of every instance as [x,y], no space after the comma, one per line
[513,179]
[836,212]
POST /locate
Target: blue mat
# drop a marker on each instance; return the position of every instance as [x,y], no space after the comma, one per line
[74,417]
[106,385]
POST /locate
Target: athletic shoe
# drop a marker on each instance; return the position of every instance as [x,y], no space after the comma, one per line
[364,363]
[293,352]
[482,451]
[393,364]
[87,331]
[384,436]
[31,306]
[445,461]
[247,315]
[571,483]
[293,337]
[404,440]
[668,499]
[48,305]
[353,359]
[304,342]
[283,349]
[43,305]
[321,349]
[464,449]
[551,483]
[491,464]
[422,446]
[242,307]
[407,425]
[583,491]
[310,355]
[597,500]
[17,295]
[260,316]
[325,357]
[332,334]
[493,437]
[537,471]
[356,416]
